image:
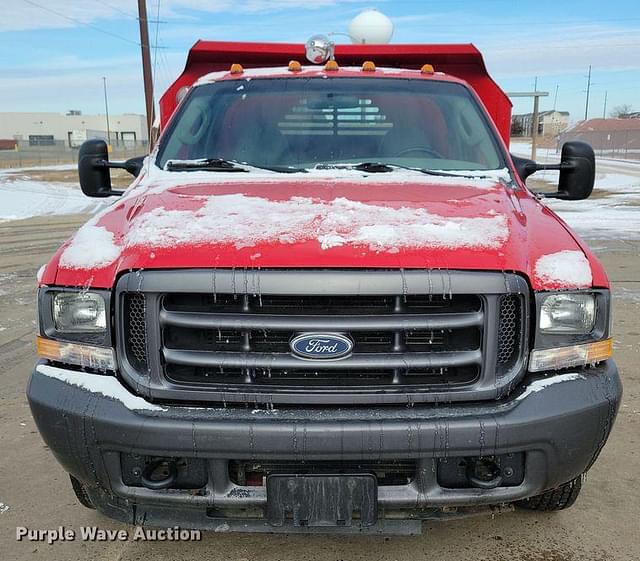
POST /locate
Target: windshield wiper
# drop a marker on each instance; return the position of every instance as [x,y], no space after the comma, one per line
[204,164]
[220,164]
[379,167]
[446,174]
[369,167]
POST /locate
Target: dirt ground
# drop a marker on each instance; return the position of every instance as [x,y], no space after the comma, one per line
[35,492]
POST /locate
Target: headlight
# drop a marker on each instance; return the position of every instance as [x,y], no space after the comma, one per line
[572,329]
[571,313]
[79,312]
[74,327]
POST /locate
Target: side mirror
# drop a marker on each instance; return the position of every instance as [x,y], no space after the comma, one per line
[577,171]
[94,166]
[95,177]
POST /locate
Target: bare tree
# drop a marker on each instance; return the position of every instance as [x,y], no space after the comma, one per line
[623,111]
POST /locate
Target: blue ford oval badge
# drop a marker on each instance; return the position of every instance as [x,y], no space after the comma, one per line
[321,345]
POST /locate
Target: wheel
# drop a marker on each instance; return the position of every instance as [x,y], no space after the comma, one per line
[556,499]
[81,493]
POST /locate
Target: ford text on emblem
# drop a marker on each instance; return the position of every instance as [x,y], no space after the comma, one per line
[321,345]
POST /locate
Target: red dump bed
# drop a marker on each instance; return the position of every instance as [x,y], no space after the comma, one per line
[461,61]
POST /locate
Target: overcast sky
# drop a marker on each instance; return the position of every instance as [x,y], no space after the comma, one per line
[54,53]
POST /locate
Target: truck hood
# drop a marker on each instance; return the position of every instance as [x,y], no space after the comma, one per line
[197,220]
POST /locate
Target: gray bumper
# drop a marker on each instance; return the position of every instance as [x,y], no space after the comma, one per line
[560,422]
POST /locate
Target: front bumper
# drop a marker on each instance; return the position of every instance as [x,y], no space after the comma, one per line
[559,422]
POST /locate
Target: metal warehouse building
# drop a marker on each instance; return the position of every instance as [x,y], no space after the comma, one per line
[70,129]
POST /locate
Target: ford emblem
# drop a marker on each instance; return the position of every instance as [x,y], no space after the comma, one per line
[322,346]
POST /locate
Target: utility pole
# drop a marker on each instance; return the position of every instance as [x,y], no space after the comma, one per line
[555,97]
[536,95]
[534,129]
[106,112]
[604,109]
[586,105]
[146,65]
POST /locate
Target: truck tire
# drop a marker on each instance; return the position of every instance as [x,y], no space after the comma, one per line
[556,499]
[81,493]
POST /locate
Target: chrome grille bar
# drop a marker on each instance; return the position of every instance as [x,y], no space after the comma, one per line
[373,361]
[250,321]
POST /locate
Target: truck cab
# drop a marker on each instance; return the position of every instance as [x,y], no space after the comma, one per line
[327,302]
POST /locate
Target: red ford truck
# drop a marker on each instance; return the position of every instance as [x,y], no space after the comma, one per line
[327,302]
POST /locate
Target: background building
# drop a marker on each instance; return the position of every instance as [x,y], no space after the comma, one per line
[615,138]
[70,130]
[550,123]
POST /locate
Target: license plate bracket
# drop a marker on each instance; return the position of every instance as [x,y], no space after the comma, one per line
[322,500]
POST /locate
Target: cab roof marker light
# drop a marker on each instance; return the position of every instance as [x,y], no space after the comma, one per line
[331,66]
[236,68]
[87,356]
[368,66]
[567,357]
[182,92]
[294,66]
[427,69]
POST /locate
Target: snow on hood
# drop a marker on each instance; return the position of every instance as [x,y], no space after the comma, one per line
[564,269]
[246,221]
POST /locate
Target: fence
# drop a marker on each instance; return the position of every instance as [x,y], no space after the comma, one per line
[25,155]
[621,144]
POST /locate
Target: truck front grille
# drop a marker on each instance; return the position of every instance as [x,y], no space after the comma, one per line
[235,346]
[222,339]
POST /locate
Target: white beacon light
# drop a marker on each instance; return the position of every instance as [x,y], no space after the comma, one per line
[371,27]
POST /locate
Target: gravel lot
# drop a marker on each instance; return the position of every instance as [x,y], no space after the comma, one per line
[35,492]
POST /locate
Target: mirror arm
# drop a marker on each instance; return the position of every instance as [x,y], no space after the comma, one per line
[130,165]
[112,165]
[562,166]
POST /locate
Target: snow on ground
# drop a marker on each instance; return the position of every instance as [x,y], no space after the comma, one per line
[22,197]
[612,211]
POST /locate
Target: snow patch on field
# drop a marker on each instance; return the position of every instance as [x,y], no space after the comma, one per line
[564,269]
[108,386]
[246,221]
[24,198]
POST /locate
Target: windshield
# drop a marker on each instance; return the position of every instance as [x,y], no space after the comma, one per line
[303,123]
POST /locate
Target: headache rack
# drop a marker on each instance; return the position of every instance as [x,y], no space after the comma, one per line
[419,335]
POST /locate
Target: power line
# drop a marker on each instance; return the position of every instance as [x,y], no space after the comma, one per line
[120,10]
[80,22]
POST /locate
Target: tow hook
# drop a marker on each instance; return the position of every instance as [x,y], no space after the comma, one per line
[159,474]
[484,473]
